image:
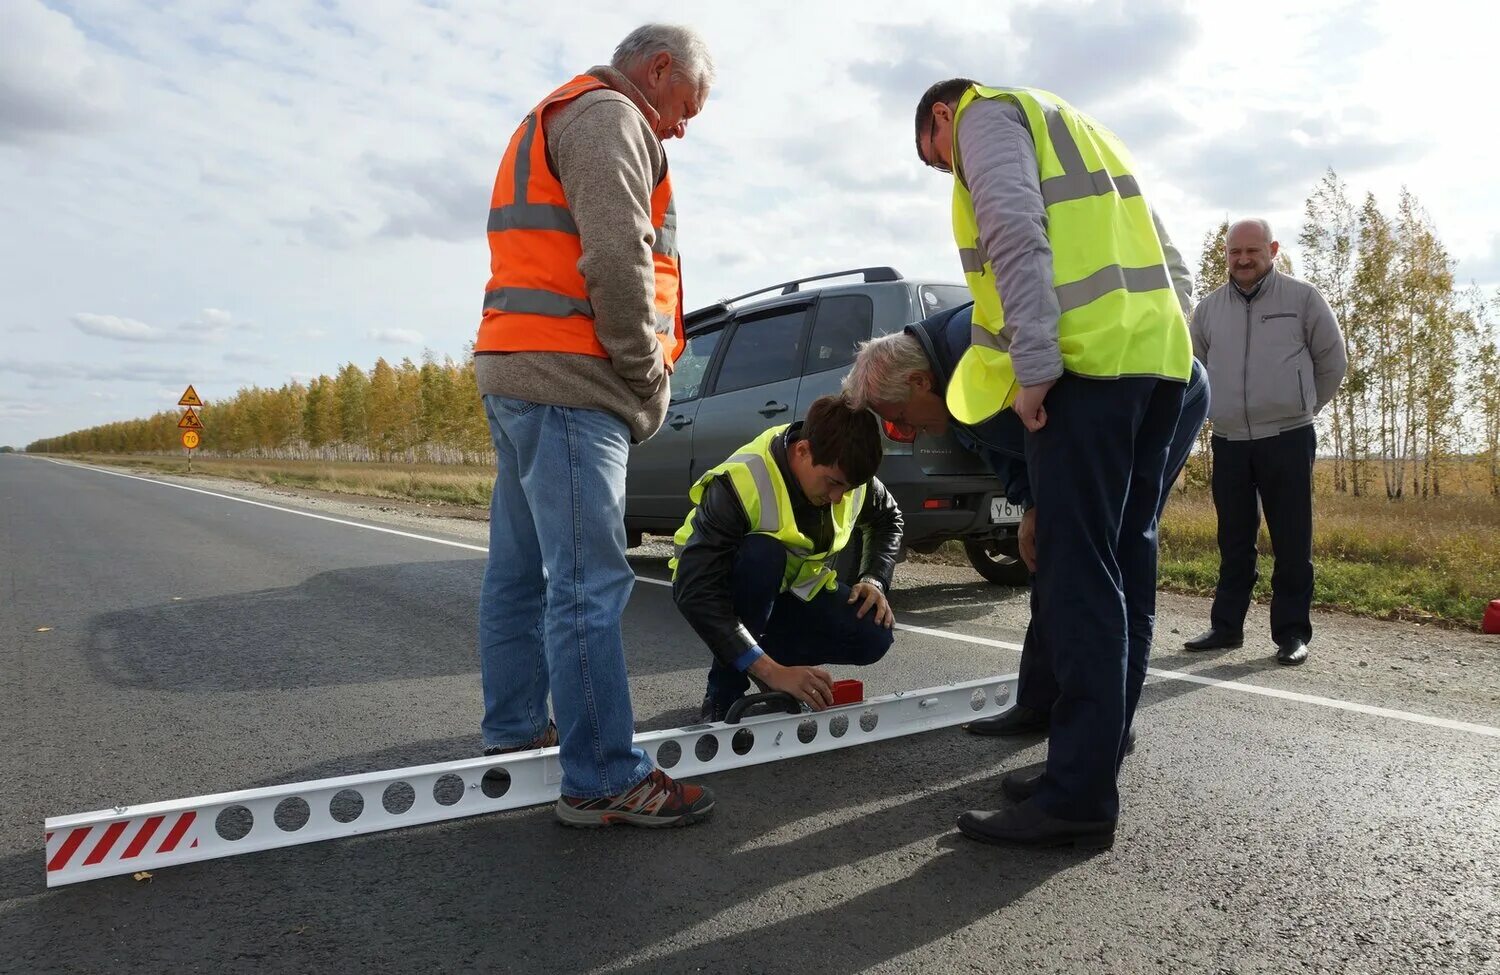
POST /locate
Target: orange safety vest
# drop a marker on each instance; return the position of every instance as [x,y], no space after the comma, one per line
[537,299]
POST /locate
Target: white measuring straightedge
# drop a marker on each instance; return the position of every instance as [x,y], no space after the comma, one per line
[127,839]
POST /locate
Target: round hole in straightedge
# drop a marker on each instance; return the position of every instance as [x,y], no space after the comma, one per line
[743,741]
[234,822]
[1000,695]
[669,754]
[977,699]
[398,798]
[839,726]
[496,783]
[448,789]
[868,720]
[707,748]
[346,806]
[292,813]
[807,730]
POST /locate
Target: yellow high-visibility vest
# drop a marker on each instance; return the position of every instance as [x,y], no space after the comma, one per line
[756,479]
[1120,315]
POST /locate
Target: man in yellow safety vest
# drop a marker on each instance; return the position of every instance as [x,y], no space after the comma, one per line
[1077,328]
[754,569]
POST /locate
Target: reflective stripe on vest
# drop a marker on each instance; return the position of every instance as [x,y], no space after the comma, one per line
[537,299]
[1119,315]
[757,482]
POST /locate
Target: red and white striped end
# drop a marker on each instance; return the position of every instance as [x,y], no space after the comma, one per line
[84,852]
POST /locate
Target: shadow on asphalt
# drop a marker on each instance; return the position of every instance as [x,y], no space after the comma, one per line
[347,626]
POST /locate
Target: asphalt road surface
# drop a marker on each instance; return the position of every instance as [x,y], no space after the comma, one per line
[158,643]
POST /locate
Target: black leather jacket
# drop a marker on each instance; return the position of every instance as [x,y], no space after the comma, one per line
[702,588]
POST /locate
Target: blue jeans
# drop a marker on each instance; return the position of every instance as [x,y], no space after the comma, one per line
[823,630]
[555,591]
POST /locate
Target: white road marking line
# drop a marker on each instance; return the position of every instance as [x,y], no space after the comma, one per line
[290,511]
[1227,685]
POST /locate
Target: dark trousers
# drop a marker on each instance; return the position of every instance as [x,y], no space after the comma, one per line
[823,630]
[1038,688]
[1279,470]
[1099,466]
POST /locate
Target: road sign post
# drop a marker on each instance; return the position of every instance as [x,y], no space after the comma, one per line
[190,424]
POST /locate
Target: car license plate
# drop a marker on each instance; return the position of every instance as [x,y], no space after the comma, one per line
[1002,512]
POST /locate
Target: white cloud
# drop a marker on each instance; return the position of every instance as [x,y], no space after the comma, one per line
[50,77]
[301,161]
[242,358]
[405,336]
[118,328]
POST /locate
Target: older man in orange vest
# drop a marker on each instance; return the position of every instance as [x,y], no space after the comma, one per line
[582,323]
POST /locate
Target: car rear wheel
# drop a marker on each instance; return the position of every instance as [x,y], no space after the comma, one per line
[995,565]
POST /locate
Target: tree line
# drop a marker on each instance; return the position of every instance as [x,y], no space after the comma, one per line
[417,414]
[1423,385]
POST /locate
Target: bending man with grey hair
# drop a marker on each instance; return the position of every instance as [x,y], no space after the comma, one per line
[903,377]
[582,324]
[1276,357]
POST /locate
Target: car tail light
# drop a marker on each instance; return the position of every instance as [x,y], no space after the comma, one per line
[899,433]
[937,504]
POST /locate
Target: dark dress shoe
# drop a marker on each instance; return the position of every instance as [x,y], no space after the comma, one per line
[1020,786]
[1212,639]
[1028,825]
[1291,652]
[1019,720]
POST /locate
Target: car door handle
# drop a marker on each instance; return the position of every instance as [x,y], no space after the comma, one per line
[772,408]
[679,421]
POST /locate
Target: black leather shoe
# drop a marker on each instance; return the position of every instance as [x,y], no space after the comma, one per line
[1019,720]
[1291,652]
[1212,639]
[1028,825]
[1020,786]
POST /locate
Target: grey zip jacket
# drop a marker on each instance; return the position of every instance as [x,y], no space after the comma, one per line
[1274,360]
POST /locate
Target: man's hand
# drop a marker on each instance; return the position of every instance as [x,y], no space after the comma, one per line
[1028,405]
[874,597]
[1026,536]
[666,361]
[811,685]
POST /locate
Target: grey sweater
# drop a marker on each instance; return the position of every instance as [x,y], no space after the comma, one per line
[605,152]
[999,160]
[1273,360]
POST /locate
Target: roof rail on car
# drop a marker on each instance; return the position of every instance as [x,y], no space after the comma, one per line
[871,275]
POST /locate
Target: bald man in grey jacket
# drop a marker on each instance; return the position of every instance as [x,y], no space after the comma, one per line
[1275,358]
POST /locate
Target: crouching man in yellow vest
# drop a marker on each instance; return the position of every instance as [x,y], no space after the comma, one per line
[754,565]
[1077,328]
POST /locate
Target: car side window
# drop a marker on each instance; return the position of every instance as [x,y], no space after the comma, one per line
[692,365]
[763,350]
[941,297]
[843,321]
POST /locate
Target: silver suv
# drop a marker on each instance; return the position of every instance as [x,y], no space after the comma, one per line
[749,365]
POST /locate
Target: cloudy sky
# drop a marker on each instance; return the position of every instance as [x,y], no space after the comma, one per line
[230,193]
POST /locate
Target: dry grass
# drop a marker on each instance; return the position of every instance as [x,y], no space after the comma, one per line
[1436,559]
[444,483]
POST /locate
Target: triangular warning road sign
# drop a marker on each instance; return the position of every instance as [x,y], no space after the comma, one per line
[190,398]
[190,421]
